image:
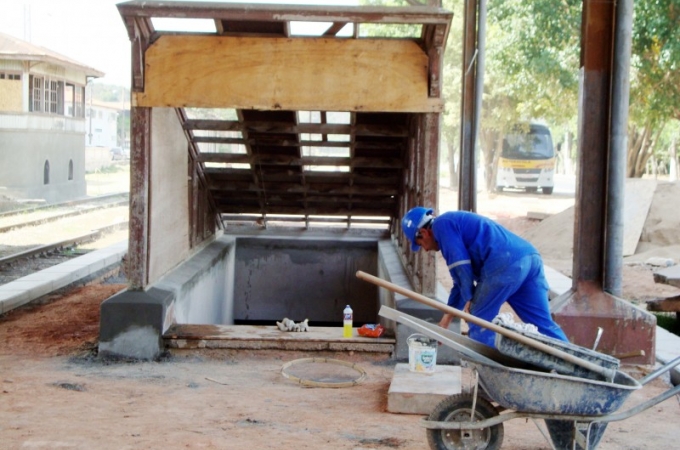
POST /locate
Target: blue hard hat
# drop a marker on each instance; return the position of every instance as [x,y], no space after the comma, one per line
[413,221]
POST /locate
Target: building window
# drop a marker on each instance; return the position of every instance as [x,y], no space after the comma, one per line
[46,173]
[10,76]
[36,93]
[70,169]
[54,97]
[46,95]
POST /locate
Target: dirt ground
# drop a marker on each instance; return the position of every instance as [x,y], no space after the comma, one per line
[55,393]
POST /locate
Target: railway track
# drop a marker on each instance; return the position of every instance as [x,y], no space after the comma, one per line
[34,239]
[33,216]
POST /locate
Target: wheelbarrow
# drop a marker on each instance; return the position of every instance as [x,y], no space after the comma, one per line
[576,410]
[552,353]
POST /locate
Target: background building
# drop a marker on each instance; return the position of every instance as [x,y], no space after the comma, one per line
[42,122]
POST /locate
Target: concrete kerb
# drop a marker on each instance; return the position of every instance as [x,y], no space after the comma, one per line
[63,276]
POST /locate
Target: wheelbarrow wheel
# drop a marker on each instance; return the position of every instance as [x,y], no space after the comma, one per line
[458,408]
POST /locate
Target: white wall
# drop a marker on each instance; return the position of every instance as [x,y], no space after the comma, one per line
[168,194]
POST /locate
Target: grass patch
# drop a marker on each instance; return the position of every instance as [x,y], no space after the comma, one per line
[669,322]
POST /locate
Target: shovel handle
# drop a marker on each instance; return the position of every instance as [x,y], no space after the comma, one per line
[606,373]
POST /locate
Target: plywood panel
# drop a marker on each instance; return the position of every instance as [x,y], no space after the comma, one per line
[288,74]
[169,200]
[638,198]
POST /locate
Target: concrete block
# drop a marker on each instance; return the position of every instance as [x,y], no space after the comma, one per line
[667,349]
[132,323]
[669,275]
[10,299]
[419,393]
[34,288]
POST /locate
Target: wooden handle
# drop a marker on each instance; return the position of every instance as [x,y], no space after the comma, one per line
[606,373]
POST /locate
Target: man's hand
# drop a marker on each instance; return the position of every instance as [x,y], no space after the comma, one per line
[446,321]
[466,309]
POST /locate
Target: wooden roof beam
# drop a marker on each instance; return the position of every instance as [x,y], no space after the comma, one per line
[274,12]
[286,127]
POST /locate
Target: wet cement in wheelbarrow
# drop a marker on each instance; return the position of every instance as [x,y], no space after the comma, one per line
[56,394]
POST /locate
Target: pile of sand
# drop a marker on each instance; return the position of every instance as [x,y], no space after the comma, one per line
[658,238]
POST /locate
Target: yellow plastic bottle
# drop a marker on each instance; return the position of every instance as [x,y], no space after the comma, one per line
[347,316]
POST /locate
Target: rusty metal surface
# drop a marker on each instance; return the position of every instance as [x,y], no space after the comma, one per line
[594,122]
[586,307]
[627,329]
[140,120]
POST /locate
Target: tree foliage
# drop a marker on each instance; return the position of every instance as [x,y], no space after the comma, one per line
[532,72]
[655,81]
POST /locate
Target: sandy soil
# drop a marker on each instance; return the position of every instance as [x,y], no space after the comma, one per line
[57,394]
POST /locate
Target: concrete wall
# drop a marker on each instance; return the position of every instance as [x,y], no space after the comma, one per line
[265,279]
[169,194]
[24,153]
[198,291]
[203,285]
[304,279]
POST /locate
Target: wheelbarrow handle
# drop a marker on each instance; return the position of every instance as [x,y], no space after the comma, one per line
[606,373]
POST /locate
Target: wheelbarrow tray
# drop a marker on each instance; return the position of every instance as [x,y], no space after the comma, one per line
[531,355]
[551,393]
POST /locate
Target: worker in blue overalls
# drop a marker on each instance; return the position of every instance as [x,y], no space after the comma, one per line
[489,266]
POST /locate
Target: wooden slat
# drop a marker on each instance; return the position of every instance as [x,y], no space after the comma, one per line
[241,158]
[273,127]
[246,73]
[334,189]
[379,145]
[319,210]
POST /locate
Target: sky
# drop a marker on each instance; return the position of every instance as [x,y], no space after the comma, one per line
[88,31]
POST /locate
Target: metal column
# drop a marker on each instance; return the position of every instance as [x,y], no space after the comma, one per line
[599,186]
[471,104]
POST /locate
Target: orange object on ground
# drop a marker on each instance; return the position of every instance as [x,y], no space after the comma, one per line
[371,330]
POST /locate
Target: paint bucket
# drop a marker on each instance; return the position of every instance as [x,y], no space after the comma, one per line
[422,353]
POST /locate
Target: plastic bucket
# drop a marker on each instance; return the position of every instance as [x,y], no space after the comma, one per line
[422,353]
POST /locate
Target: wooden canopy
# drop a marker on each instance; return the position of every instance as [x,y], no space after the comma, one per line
[311,126]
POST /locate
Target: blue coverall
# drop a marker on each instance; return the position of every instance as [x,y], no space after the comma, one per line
[489,266]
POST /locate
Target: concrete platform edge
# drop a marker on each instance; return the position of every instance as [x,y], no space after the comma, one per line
[24,290]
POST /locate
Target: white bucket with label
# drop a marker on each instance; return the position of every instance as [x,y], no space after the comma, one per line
[422,353]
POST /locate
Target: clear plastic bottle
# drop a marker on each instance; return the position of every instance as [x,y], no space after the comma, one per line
[347,316]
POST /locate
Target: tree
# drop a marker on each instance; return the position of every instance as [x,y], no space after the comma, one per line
[532,54]
[655,79]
